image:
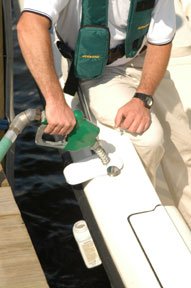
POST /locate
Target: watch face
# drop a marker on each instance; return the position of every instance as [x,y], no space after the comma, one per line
[149,101]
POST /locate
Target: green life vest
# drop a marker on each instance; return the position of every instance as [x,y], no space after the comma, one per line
[92,46]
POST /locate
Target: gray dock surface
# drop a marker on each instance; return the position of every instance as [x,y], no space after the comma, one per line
[19,264]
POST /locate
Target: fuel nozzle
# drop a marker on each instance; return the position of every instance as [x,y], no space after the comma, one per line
[84,135]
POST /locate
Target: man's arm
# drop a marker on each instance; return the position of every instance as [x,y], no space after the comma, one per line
[133,116]
[155,64]
[35,43]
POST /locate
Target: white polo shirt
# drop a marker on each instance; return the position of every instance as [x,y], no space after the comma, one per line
[65,15]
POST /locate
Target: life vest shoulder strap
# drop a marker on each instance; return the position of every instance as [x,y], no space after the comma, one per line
[94,12]
[139,18]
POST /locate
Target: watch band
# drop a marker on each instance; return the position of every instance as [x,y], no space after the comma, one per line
[147,99]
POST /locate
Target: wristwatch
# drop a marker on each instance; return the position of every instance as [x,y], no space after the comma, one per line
[147,99]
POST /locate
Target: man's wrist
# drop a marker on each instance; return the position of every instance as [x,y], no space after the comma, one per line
[147,99]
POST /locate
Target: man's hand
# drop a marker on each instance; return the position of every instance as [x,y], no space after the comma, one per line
[60,117]
[133,117]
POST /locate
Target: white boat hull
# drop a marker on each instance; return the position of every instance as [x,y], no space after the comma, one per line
[140,235]
[141,242]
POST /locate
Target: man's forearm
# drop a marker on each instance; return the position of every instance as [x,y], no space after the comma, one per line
[156,61]
[35,43]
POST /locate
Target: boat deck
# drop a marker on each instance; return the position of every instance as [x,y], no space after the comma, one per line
[19,265]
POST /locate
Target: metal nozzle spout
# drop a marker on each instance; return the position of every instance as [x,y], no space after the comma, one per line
[99,150]
[112,170]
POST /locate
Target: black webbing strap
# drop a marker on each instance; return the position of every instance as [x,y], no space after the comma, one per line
[71,85]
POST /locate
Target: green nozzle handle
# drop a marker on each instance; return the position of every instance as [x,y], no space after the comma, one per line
[83,135]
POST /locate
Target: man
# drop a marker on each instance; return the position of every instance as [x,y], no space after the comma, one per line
[110,96]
